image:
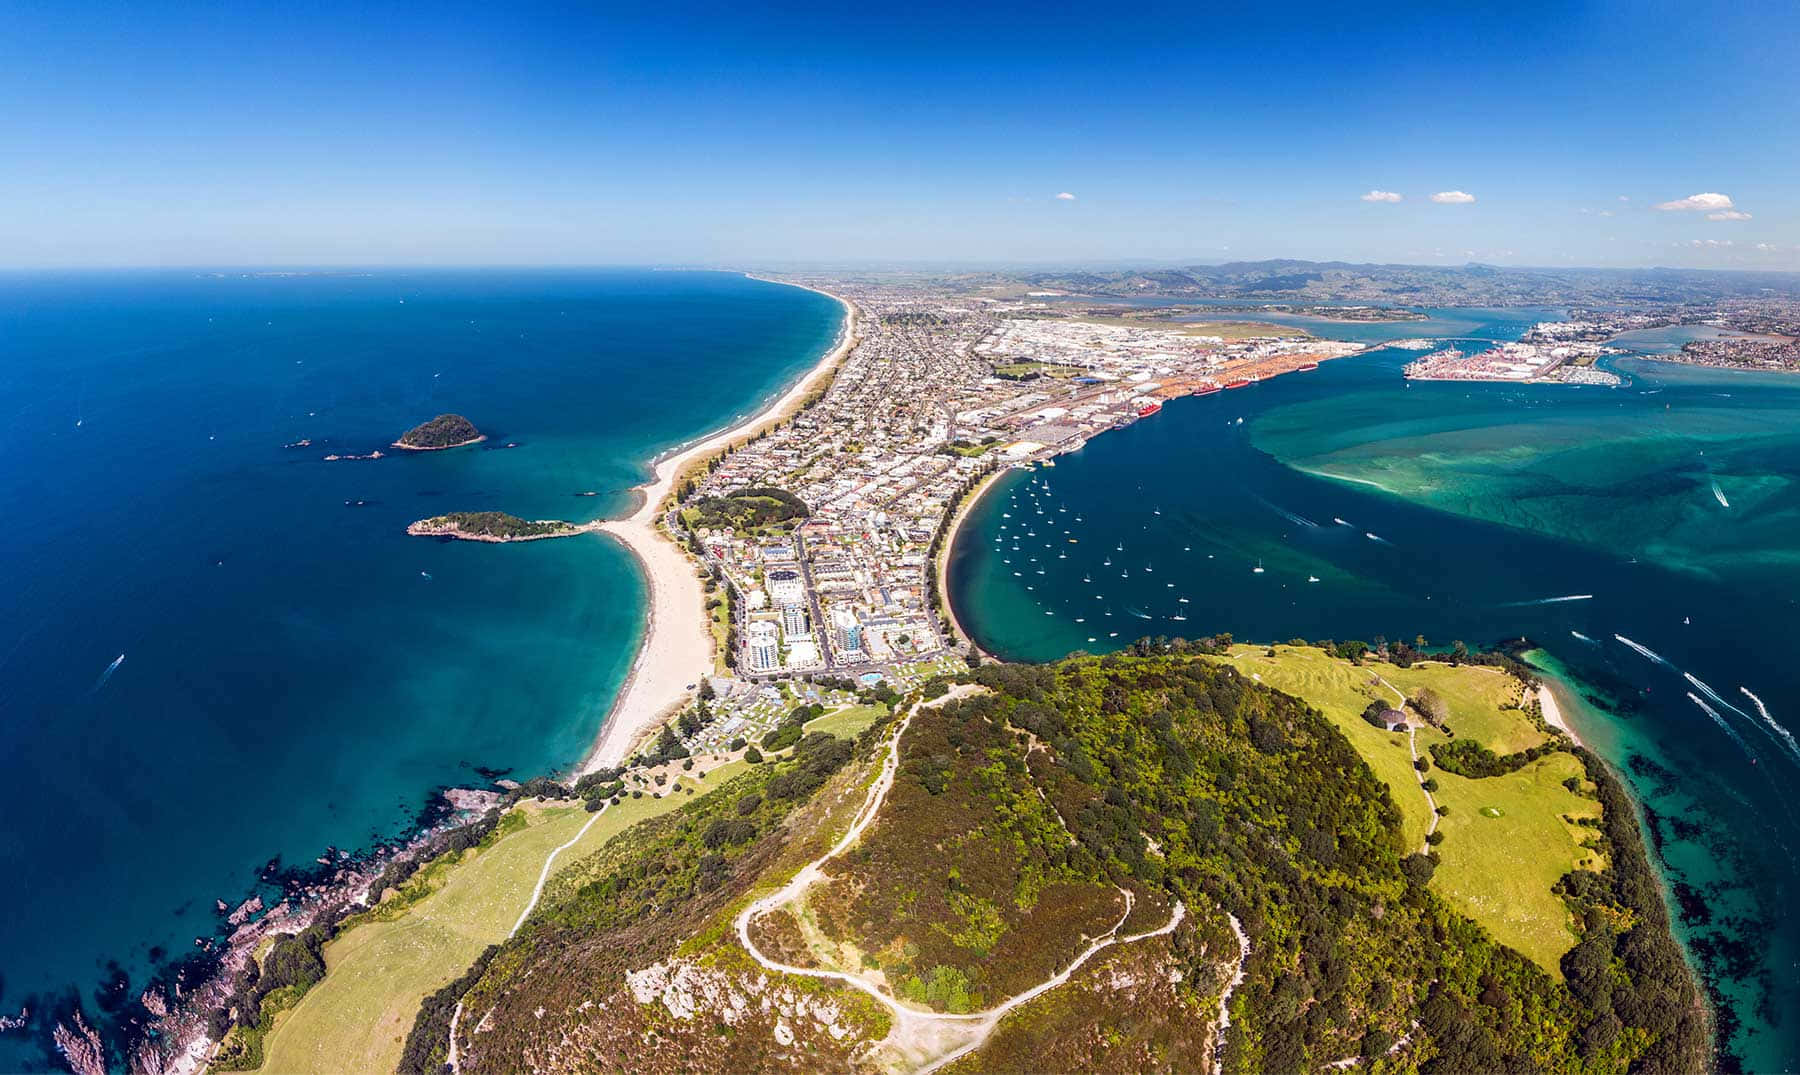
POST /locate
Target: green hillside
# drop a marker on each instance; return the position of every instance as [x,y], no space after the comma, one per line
[1057,862]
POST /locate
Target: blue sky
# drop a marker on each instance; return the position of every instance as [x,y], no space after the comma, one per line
[300,133]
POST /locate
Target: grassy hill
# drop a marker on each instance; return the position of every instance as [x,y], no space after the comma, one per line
[1508,840]
[1050,865]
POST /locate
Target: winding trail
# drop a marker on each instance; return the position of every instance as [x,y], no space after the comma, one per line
[544,874]
[924,1040]
[1223,1023]
[1412,744]
[537,893]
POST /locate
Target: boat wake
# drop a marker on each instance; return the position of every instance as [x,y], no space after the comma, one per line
[1645,650]
[1720,721]
[1139,615]
[1719,495]
[1775,726]
[1377,538]
[1297,520]
[1549,600]
[1584,638]
[106,675]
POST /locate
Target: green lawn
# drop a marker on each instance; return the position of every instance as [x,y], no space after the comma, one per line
[847,723]
[1341,691]
[1500,870]
[1497,870]
[1484,702]
[378,972]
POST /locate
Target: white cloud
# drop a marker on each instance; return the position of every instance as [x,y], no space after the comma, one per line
[1065,196]
[1708,201]
[1606,212]
[1729,214]
[1711,242]
[1624,197]
[1767,246]
[1381,196]
[1452,197]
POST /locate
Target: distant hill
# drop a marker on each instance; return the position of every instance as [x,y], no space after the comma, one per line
[444,431]
[1289,280]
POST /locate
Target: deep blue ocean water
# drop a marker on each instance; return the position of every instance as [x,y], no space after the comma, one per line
[1510,497]
[298,673]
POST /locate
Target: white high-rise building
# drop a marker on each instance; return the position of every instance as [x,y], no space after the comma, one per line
[764,648]
[793,622]
[847,629]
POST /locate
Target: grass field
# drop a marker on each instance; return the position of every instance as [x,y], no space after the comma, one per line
[1497,870]
[1044,369]
[847,723]
[377,973]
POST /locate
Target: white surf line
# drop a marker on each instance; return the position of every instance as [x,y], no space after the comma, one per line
[910,1020]
[1774,725]
[1412,745]
[1223,1023]
[544,875]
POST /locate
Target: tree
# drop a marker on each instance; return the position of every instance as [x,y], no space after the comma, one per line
[1430,705]
[707,693]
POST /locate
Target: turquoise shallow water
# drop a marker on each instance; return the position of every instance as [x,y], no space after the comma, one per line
[299,674]
[1491,503]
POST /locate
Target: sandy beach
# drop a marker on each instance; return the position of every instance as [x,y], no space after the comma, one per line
[678,647]
[1553,712]
[942,567]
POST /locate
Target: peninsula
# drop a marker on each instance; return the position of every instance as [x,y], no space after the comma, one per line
[444,431]
[799,542]
[495,526]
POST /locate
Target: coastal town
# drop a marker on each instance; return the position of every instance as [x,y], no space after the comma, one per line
[821,538]
[804,550]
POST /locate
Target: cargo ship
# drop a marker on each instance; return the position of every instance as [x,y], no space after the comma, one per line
[1206,390]
[1238,383]
[1307,368]
[1149,409]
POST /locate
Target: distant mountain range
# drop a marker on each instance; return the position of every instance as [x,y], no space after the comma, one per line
[1430,285]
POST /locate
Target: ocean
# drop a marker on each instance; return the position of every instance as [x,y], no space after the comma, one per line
[298,675]
[1661,512]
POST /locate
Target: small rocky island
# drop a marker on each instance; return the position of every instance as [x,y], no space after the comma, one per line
[495,526]
[444,431]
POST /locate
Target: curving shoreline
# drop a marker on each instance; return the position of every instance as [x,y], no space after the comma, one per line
[677,646]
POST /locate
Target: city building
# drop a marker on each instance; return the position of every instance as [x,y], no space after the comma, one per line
[764,647]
